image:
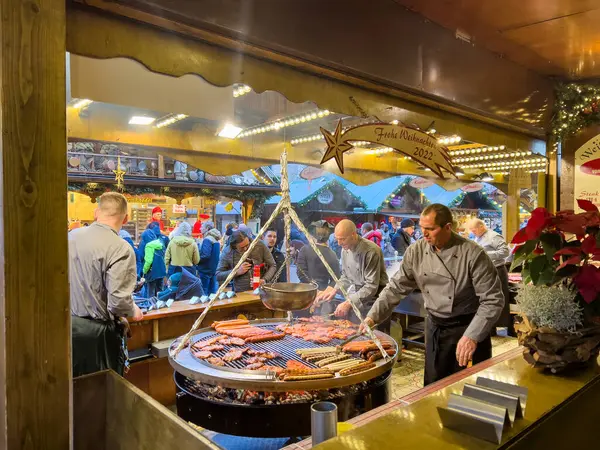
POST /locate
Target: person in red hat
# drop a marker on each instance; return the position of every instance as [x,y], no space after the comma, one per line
[157,216]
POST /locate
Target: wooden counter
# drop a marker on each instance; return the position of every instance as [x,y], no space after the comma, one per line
[558,404]
[155,375]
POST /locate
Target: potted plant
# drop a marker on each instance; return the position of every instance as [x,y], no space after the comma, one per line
[559,320]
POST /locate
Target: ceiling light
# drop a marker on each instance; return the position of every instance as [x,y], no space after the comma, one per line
[241,90]
[229,131]
[169,120]
[82,103]
[141,120]
[394,122]
[458,171]
[486,177]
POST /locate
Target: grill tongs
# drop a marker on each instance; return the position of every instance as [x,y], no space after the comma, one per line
[339,347]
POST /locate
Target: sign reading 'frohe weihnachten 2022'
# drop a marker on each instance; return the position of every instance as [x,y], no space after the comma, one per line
[420,146]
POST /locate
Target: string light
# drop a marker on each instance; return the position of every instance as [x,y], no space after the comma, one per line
[260,177]
[468,151]
[450,140]
[491,156]
[241,90]
[283,123]
[169,120]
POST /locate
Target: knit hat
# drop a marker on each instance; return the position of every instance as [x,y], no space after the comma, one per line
[406,223]
[156,209]
[246,230]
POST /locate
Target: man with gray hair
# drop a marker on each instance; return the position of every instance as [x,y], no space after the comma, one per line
[496,248]
[102,277]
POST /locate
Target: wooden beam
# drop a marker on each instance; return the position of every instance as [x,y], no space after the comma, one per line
[35,366]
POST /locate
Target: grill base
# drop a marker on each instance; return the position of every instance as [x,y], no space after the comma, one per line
[271,421]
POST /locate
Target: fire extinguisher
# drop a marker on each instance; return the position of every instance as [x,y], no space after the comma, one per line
[256,275]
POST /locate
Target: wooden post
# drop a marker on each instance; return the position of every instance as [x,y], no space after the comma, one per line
[35,361]
[161,166]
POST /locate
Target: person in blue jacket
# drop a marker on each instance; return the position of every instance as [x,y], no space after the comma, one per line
[151,258]
[210,249]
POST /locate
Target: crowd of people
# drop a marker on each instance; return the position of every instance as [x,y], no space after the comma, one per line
[463,282]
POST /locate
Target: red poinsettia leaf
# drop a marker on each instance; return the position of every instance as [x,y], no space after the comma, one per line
[586,205]
[520,237]
[540,219]
[589,244]
[572,223]
[588,282]
[538,251]
[568,251]
[572,260]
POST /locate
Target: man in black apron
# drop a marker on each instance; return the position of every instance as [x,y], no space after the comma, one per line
[102,277]
[462,294]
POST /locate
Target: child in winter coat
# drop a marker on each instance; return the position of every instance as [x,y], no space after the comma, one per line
[153,269]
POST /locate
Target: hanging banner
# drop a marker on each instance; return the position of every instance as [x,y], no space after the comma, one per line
[587,172]
[420,146]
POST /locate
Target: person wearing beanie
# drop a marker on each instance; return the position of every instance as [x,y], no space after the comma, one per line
[157,217]
[182,251]
[404,236]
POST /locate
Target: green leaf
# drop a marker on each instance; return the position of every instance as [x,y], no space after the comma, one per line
[537,266]
[551,242]
[522,253]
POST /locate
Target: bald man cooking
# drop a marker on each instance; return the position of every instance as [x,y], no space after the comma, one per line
[363,268]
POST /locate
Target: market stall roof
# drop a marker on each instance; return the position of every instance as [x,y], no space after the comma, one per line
[375,194]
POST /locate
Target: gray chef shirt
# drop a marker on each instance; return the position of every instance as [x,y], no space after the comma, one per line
[495,247]
[102,273]
[457,280]
[364,268]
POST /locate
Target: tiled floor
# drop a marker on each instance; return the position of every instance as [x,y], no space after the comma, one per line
[407,376]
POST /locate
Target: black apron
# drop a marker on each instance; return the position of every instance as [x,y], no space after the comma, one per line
[505,319]
[441,339]
[97,345]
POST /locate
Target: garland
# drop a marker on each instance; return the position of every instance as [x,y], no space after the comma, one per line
[577,107]
[96,189]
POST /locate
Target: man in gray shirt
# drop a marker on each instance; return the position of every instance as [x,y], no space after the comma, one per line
[238,244]
[102,277]
[362,267]
[461,290]
[495,247]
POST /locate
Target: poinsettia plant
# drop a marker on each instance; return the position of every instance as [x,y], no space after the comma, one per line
[563,248]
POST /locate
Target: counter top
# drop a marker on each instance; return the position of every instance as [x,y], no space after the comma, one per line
[183,307]
[417,425]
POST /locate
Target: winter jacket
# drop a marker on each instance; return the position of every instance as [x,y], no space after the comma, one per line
[154,263]
[189,286]
[182,251]
[260,255]
[310,267]
[374,236]
[147,236]
[210,249]
[334,246]
[401,240]
[279,260]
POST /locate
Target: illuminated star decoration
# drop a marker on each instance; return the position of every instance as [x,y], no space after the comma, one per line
[119,175]
[336,146]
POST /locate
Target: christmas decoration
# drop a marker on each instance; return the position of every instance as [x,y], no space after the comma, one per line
[576,108]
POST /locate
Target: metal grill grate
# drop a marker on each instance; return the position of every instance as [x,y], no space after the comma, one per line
[285,347]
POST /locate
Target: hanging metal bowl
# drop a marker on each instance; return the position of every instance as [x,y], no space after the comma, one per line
[288,296]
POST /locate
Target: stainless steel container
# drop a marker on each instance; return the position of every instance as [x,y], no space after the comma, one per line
[324,418]
[288,296]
